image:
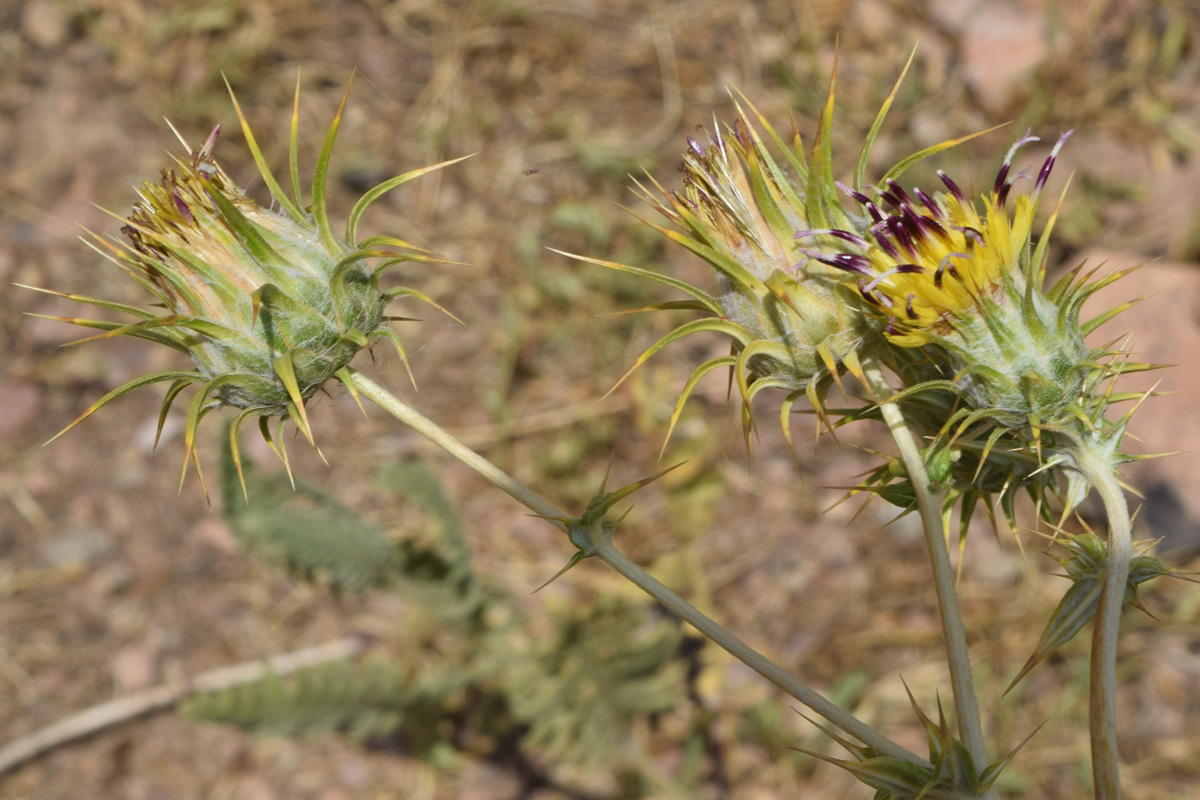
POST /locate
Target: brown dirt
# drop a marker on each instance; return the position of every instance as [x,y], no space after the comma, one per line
[112,581]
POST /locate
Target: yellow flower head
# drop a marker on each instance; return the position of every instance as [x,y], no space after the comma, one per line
[928,262]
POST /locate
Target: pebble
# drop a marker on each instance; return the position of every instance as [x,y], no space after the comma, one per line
[85,546]
[21,401]
[45,23]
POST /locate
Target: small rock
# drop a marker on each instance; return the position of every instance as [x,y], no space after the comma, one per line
[85,546]
[1164,328]
[21,401]
[1001,45]
[45,23]
[134,667]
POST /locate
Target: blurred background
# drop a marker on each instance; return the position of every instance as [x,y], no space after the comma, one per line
[113,581]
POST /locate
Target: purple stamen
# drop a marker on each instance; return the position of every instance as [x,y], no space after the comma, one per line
[1002,195]
[852,238]
[1000,186]
[973,236]
[944,265]
[861,198]
[695,147]
[890,198]
[1049,165]
[898,190]
[865,289]
[928,202]
[933,226]
[206,151]
[850,262]
[903,237]
[912,220]
[905,269]
[908,305]
[1012,151]
[739,133]
[951,185]
[883,276]
[183,207]
[845,236]
[884,241]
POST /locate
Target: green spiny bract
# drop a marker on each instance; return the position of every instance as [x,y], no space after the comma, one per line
[1085,564]
[268,304]
[951,774]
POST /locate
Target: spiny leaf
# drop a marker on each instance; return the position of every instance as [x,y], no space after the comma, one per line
[363,701]
[580,687]
[306,532]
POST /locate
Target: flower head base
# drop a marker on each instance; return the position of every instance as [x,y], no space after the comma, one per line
[1085,563]
[950,774]
[268,304]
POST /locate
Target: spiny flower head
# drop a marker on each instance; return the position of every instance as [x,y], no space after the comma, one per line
[795,321]
[269,304]
[964,282]
[738,202]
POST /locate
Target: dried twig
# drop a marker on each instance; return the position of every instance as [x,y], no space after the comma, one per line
[160,698]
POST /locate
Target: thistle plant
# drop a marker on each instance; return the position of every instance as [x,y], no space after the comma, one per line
[935,303]
[992,372]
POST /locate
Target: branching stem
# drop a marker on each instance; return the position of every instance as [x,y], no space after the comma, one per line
[604,550]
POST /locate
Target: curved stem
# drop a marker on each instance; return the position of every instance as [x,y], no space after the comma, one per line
[929,505]
[438,435]
[604,550]
[1103,694]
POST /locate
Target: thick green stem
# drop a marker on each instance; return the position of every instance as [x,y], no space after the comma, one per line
[605,551]
[929,505]
[1103,701]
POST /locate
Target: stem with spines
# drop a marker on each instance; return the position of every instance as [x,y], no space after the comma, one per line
[603,549]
